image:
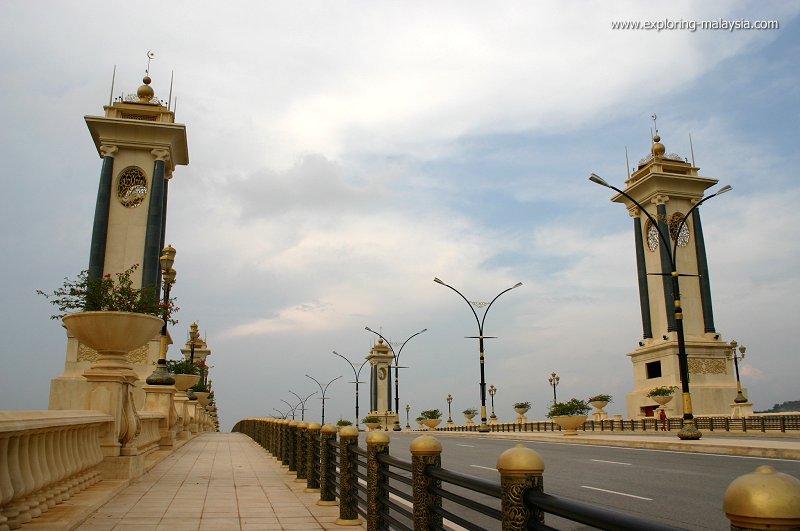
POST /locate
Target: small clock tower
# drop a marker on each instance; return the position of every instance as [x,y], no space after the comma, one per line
[668,186]
[380,384]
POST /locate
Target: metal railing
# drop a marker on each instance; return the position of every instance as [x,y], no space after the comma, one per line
[390,493]
[765,423]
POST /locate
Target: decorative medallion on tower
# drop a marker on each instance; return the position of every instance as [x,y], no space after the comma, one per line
[132,187]
[678,229]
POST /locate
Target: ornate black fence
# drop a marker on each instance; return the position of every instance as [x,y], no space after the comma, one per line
[772,423]
[390,493]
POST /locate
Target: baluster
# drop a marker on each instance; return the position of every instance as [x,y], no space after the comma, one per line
[6,488]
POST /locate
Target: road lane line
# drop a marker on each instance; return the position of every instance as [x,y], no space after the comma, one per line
[465,445]
[611,462]
[484,467]
[620,493]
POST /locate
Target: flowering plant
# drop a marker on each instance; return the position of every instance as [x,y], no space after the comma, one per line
[522,405]
[431,414]
[106,294]
[572,407]
[599,398]
[470,411]
[664,390]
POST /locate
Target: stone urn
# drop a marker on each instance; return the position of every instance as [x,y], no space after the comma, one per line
[469,417]
[112,335]
[185,381]
[662,400]
[570,423]
[600,414]
[202,397]
[372,426]
[432,423]
[521,418]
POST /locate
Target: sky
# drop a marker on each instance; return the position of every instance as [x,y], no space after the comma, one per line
[343,154]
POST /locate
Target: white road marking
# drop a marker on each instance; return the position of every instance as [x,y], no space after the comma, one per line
[620,493]
[611,462]
[484,467]
[465,445]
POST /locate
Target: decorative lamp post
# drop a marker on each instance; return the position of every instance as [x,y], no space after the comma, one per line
[357,382]
[480,337]
[281,413]
[689,431]
[408,425]
[302,403]
[397,368]
[554,379]
[161,375]
[740,398]
[449,414]
[492,391]
[323,390]
[194,335]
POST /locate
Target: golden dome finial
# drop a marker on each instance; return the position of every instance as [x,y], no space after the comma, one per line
[658,148]
[145,92]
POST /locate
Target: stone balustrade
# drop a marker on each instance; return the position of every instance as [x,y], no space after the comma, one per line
[46,457]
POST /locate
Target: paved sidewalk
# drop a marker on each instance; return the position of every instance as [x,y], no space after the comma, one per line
[217,481]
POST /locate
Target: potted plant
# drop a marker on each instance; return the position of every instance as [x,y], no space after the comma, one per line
[110,316]
[569,415]
[662,394]
[599,402]
[201,392]
[521,408]
[343,422]
[431,418]
[185,373]
[470,413]
[372,422]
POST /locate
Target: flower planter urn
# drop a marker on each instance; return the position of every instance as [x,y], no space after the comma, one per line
[185,381]
[601,413]
[570,423]
[469,418]
[662,400]
[432,423]
[521,418]
[372,426]
[202,397]
[112,335]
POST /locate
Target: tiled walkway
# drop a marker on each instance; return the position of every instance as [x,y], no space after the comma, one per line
[218,481]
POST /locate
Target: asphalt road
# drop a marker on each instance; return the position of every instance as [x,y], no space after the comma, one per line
[675,488]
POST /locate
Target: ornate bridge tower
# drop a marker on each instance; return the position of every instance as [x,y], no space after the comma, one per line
[140,145]
[668,187]
[380,384]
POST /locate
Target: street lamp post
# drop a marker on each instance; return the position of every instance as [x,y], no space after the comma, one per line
[161,375]
[740,398]
[408,425]
[492,391]
[302,403]
[689,431]
[554,379]
[449,414]
[292,408]
[357,382]
[323,390]
[281,413]
[397,368]
[480,337]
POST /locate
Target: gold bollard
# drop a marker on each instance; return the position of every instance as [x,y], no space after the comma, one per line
[312,457]
[348,514]
[764,499]
[425,450]
[377,495]
[520,469]
[327,466]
